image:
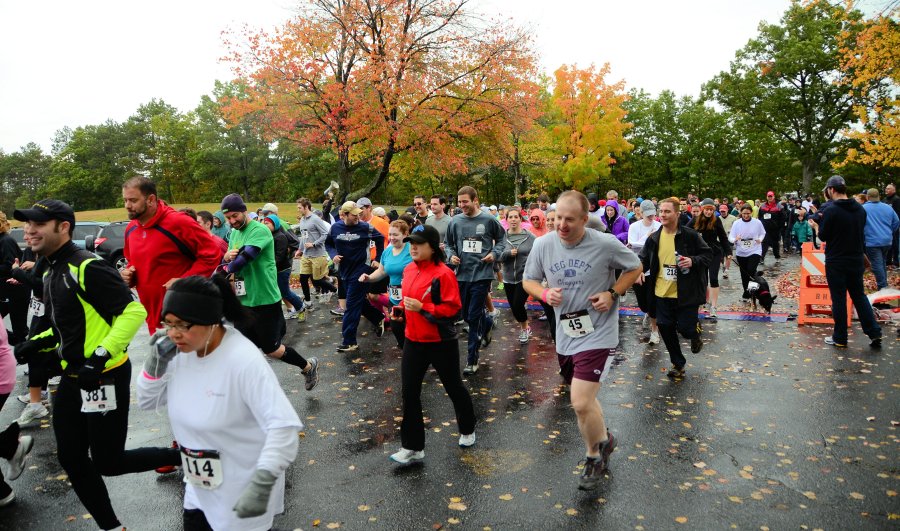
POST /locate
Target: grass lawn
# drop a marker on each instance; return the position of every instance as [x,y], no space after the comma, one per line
[287,211]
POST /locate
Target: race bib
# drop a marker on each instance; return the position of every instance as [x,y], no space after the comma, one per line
[371,244]
[670,273]
[99,400]
[577,324]
[239,288]
[747,243]
[304,234]
[202,468]
[472,245]
[395,293]
[767,216]
[36,307]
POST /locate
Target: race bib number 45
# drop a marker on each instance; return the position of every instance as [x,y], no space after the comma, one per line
[99,400]
[577,324]
[202,468]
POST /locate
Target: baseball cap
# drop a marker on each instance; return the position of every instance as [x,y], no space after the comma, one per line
[648,208]
[45,210]
[428,235]
[363,202]
[834,180]
[269,207]
[770,193]
[378,211]
[350,208]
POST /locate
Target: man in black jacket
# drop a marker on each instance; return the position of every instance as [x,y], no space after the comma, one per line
[842,228]
[677,258]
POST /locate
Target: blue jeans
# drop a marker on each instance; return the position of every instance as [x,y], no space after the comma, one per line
[841,280]
[474,295]
[357,304]
[284,280]
[878,257]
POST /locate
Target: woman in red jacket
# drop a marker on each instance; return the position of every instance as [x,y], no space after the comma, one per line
[431,304]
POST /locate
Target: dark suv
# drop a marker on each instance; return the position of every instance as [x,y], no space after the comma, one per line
[110,244]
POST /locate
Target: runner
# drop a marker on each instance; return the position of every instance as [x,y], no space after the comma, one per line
[250,263]
[161,246]
[394,260]
[284,258]
[239,433]
[580,266]
[713,232]
[843,230]
[475,241]
[676,257]
[13,296]
[727,219]
[92,317]
[772,217]
[747,235]
[351,238]
[431,304]
[313,257]
[519,243]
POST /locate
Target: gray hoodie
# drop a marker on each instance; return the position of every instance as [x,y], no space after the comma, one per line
[514,266]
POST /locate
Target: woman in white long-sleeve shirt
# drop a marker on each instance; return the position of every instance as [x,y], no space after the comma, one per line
[235,427]
[638,233]
[747,234]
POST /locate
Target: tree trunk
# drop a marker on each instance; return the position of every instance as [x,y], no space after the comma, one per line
[383,173]
[810,165]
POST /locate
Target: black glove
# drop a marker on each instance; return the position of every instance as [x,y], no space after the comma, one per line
[89,373]
[24,350]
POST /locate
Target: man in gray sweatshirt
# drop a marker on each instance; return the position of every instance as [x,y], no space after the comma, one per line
[313,232]
[474,242]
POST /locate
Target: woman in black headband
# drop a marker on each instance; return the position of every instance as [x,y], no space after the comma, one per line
[236,430]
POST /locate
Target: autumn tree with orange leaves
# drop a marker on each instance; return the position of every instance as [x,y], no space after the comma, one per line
[371,79]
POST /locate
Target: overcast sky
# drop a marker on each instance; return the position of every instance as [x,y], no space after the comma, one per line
[75,63]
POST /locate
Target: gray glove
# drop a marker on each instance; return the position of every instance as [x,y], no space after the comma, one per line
[162,350]
[255,498]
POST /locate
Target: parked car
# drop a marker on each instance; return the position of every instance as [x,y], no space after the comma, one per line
[18,234]
[110,244]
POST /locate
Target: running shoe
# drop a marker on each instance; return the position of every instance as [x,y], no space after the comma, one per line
[168,469]
[26,398]
[461,321]
[495,315]
[606,449]
[17,461]
[325,297]
[404,456]
[697,341]
[312,375]
[348,348]
[830,341]
[645,322]
[379,328]
[487,337]
[54,381]
[467,440]
[875,342]
[591,475]
[472,368]
[31,413]
[291,314]
[713,313]
[676,372]
[654,338]
[301,315]
[338,311]
[525,335]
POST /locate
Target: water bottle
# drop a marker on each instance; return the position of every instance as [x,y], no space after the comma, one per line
[684,270]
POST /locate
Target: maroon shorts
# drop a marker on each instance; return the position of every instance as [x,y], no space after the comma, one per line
[588,365]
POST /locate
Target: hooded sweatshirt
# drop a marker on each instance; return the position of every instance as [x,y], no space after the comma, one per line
[223,231]
[843,229]
[514,266]
[539,228]
[617,225]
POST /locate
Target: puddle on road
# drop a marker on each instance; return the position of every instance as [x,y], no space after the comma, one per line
[497,462]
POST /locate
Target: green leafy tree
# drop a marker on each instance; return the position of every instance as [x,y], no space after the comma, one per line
[22,176]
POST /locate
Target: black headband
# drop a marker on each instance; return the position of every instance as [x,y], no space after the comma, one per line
[193,307]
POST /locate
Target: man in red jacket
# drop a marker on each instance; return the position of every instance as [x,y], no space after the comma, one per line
[161,246]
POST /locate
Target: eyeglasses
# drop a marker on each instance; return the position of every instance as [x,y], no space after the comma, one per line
[180,327]
[418,204]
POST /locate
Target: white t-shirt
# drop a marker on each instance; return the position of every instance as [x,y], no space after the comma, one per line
[747,237]
[227,401]
[638,233]
[581,270]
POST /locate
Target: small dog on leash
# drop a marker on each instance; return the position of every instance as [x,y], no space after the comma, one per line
[760,293]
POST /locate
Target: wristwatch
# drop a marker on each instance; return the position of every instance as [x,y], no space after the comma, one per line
[101,352]
[614,293]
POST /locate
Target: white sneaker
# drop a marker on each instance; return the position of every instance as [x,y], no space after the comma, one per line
[54,381]
[405,456]
[525,335]
[17,461]
[495,314]
[291,314]
[26,398]
[31,413]
[645,322]
[654,337]
[325,297]
[467,440]
[713,312]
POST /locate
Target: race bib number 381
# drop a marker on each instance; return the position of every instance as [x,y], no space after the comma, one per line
[99,400]
[202,468]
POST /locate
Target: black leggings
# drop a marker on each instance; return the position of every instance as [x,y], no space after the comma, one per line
[17,308]
[342,288]
[103,434]
[195,520]
[516,295]
[444,357]
[713,270]
[323,285]
[748,265]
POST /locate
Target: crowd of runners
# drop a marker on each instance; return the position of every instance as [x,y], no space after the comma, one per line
[214,289]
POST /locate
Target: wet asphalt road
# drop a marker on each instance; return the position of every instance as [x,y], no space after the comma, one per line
[771,429]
